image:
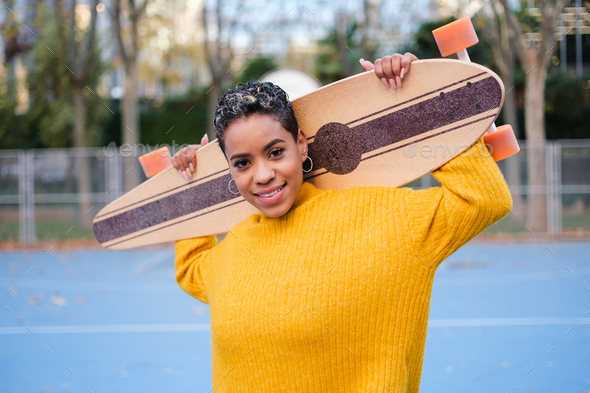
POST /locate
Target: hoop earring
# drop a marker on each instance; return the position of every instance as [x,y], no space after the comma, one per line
[229,187]
[311,166]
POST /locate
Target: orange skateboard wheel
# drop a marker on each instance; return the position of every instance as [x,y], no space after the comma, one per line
[502,143]
[455,36]
[156,161]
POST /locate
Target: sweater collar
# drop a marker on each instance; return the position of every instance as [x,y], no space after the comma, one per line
[306,192]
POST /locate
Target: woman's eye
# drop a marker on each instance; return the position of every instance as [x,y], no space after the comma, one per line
[240,164]
[277,151]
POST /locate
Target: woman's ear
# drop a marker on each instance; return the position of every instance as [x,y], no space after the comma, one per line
[302,143]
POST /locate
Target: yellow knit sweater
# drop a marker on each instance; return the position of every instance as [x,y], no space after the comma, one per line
[334,296]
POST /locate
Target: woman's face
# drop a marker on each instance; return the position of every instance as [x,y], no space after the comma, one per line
[263,158]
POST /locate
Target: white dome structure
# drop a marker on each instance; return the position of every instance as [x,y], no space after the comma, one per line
[295,82]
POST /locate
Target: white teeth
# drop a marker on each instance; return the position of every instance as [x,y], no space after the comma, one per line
[270,194]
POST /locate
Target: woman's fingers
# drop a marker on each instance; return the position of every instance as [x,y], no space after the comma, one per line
[406,60]
[396,69]
[188,159]
[184,161]
[379,72]
[177,164]
[392,69]
[367,65]
[191,159]
[388,70]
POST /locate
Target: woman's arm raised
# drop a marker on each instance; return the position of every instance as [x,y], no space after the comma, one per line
[192,264]
[473,195]
[192,254]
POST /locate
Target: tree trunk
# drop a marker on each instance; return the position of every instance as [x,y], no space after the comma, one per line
[11,82]
[513,169]
[131,131]
[535,134]
[341,41]
[83,160]
[212,98]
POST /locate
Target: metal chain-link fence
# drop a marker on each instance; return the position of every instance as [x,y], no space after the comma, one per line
[40,196]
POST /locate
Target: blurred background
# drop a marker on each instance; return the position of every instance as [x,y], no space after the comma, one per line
[81,79]
[86,87]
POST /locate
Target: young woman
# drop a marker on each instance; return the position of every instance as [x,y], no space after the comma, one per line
[325,291]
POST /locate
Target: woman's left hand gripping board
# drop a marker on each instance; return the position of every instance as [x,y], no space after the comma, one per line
[390,69]
[184,160]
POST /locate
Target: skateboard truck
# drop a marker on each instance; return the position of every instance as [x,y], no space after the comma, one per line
[456,37]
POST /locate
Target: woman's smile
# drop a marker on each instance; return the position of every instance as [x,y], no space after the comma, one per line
[270,197]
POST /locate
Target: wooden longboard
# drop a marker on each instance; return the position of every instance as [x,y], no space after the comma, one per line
[359,133]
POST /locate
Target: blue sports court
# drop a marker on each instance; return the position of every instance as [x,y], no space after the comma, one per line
[503,318]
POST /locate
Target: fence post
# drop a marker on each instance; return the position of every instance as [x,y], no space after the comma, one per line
[118,168]
[30,196]
[426,181]
[108,177]
[113,177]
[550,158]
[22,198]
[553,158]
[558,195]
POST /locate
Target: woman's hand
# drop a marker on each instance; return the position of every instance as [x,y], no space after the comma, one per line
[390,68]
[185,159]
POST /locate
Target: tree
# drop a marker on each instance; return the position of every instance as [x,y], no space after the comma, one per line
[50,119]
[218,28]
[18,39]
[255,69]
[354,36]
[497,34]
[332,62]
[13,47]
[534,56]
[77,45]
[130,130]
[369,28]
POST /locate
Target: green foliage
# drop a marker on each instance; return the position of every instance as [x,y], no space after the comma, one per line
[567,107]
[177,120]
[423,44]
[183,119]
[528,22]
[9,138]
[255,69]
[328,62]
[50,118]
[50,94]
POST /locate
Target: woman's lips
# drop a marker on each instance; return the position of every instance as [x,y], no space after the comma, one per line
[274,198]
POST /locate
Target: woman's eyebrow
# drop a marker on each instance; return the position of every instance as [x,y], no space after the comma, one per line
[265,148]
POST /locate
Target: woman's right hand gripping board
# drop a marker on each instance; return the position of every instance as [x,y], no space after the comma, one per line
[185,160]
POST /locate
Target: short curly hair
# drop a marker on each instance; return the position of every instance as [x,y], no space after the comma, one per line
[251,98]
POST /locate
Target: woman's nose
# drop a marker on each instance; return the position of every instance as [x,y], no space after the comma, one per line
[263,174]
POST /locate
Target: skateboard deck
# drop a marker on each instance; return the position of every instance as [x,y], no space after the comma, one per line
[360,133]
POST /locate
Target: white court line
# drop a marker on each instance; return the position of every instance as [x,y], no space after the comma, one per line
[81,285]
[75,284]
[148,328]
[150,263]
[439,281]
[205,327]
[449,281]
[475,322]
